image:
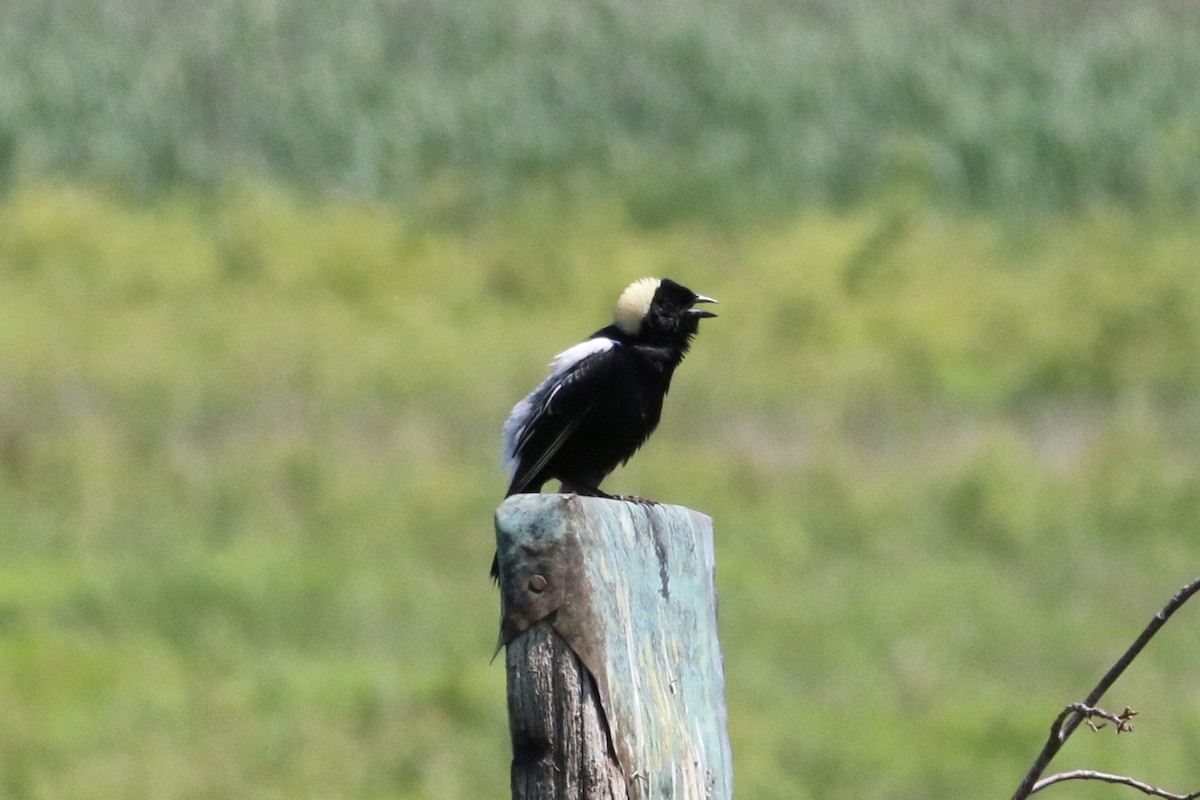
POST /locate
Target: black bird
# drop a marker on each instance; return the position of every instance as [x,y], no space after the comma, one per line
[604,396]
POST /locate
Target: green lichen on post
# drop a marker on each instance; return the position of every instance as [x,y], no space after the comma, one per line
[629,587]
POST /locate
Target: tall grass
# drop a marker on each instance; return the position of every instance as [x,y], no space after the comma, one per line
[693,109]
[248,462]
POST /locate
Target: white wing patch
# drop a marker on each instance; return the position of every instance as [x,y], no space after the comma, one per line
[573,355]
[536,402]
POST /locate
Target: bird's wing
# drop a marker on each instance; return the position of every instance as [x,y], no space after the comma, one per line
[540,424]
[545,452]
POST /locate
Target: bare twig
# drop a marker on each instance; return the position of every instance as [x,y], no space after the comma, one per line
[1087,714]
[1092,775]
[1067,721]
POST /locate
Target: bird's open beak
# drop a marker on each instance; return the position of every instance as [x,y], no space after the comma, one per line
[699,312]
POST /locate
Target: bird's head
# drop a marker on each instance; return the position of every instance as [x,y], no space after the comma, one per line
[661,310]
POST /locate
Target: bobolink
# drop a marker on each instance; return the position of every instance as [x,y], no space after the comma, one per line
[604,396]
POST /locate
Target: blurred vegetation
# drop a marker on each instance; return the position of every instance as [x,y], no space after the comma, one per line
[248,460]
[705,108]
[272,274]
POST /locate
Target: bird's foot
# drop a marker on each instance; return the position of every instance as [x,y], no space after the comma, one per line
[633,498]
[584,491]
[593,491]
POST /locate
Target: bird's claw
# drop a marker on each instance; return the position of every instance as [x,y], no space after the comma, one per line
[633,498]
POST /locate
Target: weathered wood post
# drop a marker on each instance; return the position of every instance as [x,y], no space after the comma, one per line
[616,686]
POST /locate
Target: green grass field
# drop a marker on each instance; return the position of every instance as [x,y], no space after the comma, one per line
[248,461]
[709,109]
[272,275]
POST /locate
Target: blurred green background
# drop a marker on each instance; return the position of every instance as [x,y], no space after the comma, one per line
[272,274]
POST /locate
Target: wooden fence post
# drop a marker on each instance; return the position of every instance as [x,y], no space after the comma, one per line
[616,686]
